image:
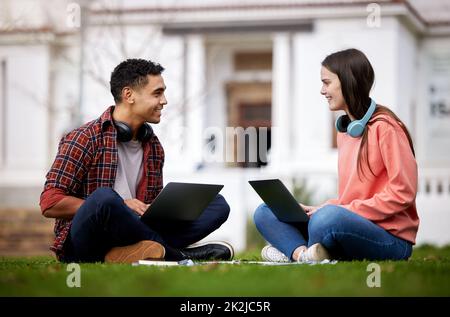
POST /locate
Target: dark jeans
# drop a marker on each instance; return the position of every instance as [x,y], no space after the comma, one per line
[345,234]
[104,221]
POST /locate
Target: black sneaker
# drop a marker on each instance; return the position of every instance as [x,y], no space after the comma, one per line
[214,250]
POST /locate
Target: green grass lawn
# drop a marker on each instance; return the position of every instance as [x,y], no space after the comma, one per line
[427,273]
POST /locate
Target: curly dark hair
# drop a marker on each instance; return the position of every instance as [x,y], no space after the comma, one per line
[132,73]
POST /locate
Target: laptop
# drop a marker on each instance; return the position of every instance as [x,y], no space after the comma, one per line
[181,202]
[280,200]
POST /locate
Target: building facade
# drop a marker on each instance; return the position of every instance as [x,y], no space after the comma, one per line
[231,66]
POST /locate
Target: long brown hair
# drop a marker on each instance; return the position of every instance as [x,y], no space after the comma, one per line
[357,77]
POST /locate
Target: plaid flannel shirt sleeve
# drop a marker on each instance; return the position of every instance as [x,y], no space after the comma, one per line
[69,169]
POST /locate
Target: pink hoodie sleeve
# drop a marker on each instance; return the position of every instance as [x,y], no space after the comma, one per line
[332,201]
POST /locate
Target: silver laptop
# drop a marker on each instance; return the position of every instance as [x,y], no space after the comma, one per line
[181,202]
[280,200]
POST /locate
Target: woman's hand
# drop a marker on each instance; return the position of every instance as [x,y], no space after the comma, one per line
[136,205]
[309,209]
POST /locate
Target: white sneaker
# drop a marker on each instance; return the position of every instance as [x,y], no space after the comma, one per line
[315,253]
[272,254]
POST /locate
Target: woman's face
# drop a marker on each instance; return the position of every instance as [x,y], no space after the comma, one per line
[331,89]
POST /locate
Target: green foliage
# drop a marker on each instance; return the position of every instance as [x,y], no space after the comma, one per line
[301,192]
[255,242]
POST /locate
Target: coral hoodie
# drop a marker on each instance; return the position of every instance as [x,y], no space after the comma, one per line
[388,198]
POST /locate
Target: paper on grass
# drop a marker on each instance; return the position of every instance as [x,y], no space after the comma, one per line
[191,263]
[156,263]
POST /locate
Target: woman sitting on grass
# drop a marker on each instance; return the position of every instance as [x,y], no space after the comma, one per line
[375,215]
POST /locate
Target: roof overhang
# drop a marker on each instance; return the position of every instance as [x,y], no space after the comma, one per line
[253,18]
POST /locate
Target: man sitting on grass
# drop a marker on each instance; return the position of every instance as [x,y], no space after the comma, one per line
[107,172]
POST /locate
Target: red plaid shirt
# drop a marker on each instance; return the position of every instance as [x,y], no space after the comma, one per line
[86,160]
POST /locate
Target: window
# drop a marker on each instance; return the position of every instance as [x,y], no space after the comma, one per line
[250,107]
[252,61]
[258,115]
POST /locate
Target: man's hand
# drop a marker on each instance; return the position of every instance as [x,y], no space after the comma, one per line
[310,209]
[136,205]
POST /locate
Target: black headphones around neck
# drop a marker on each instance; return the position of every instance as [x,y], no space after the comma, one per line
[125,133]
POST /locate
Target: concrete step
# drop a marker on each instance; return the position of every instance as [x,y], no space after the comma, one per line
[25,232]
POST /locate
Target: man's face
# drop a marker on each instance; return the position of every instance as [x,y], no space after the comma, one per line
[150,99]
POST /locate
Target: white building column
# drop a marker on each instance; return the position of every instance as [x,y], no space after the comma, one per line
[312,119]
[281,101]
[195,100]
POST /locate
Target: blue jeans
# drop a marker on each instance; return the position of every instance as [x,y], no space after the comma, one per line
[104,221]
[345,234]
